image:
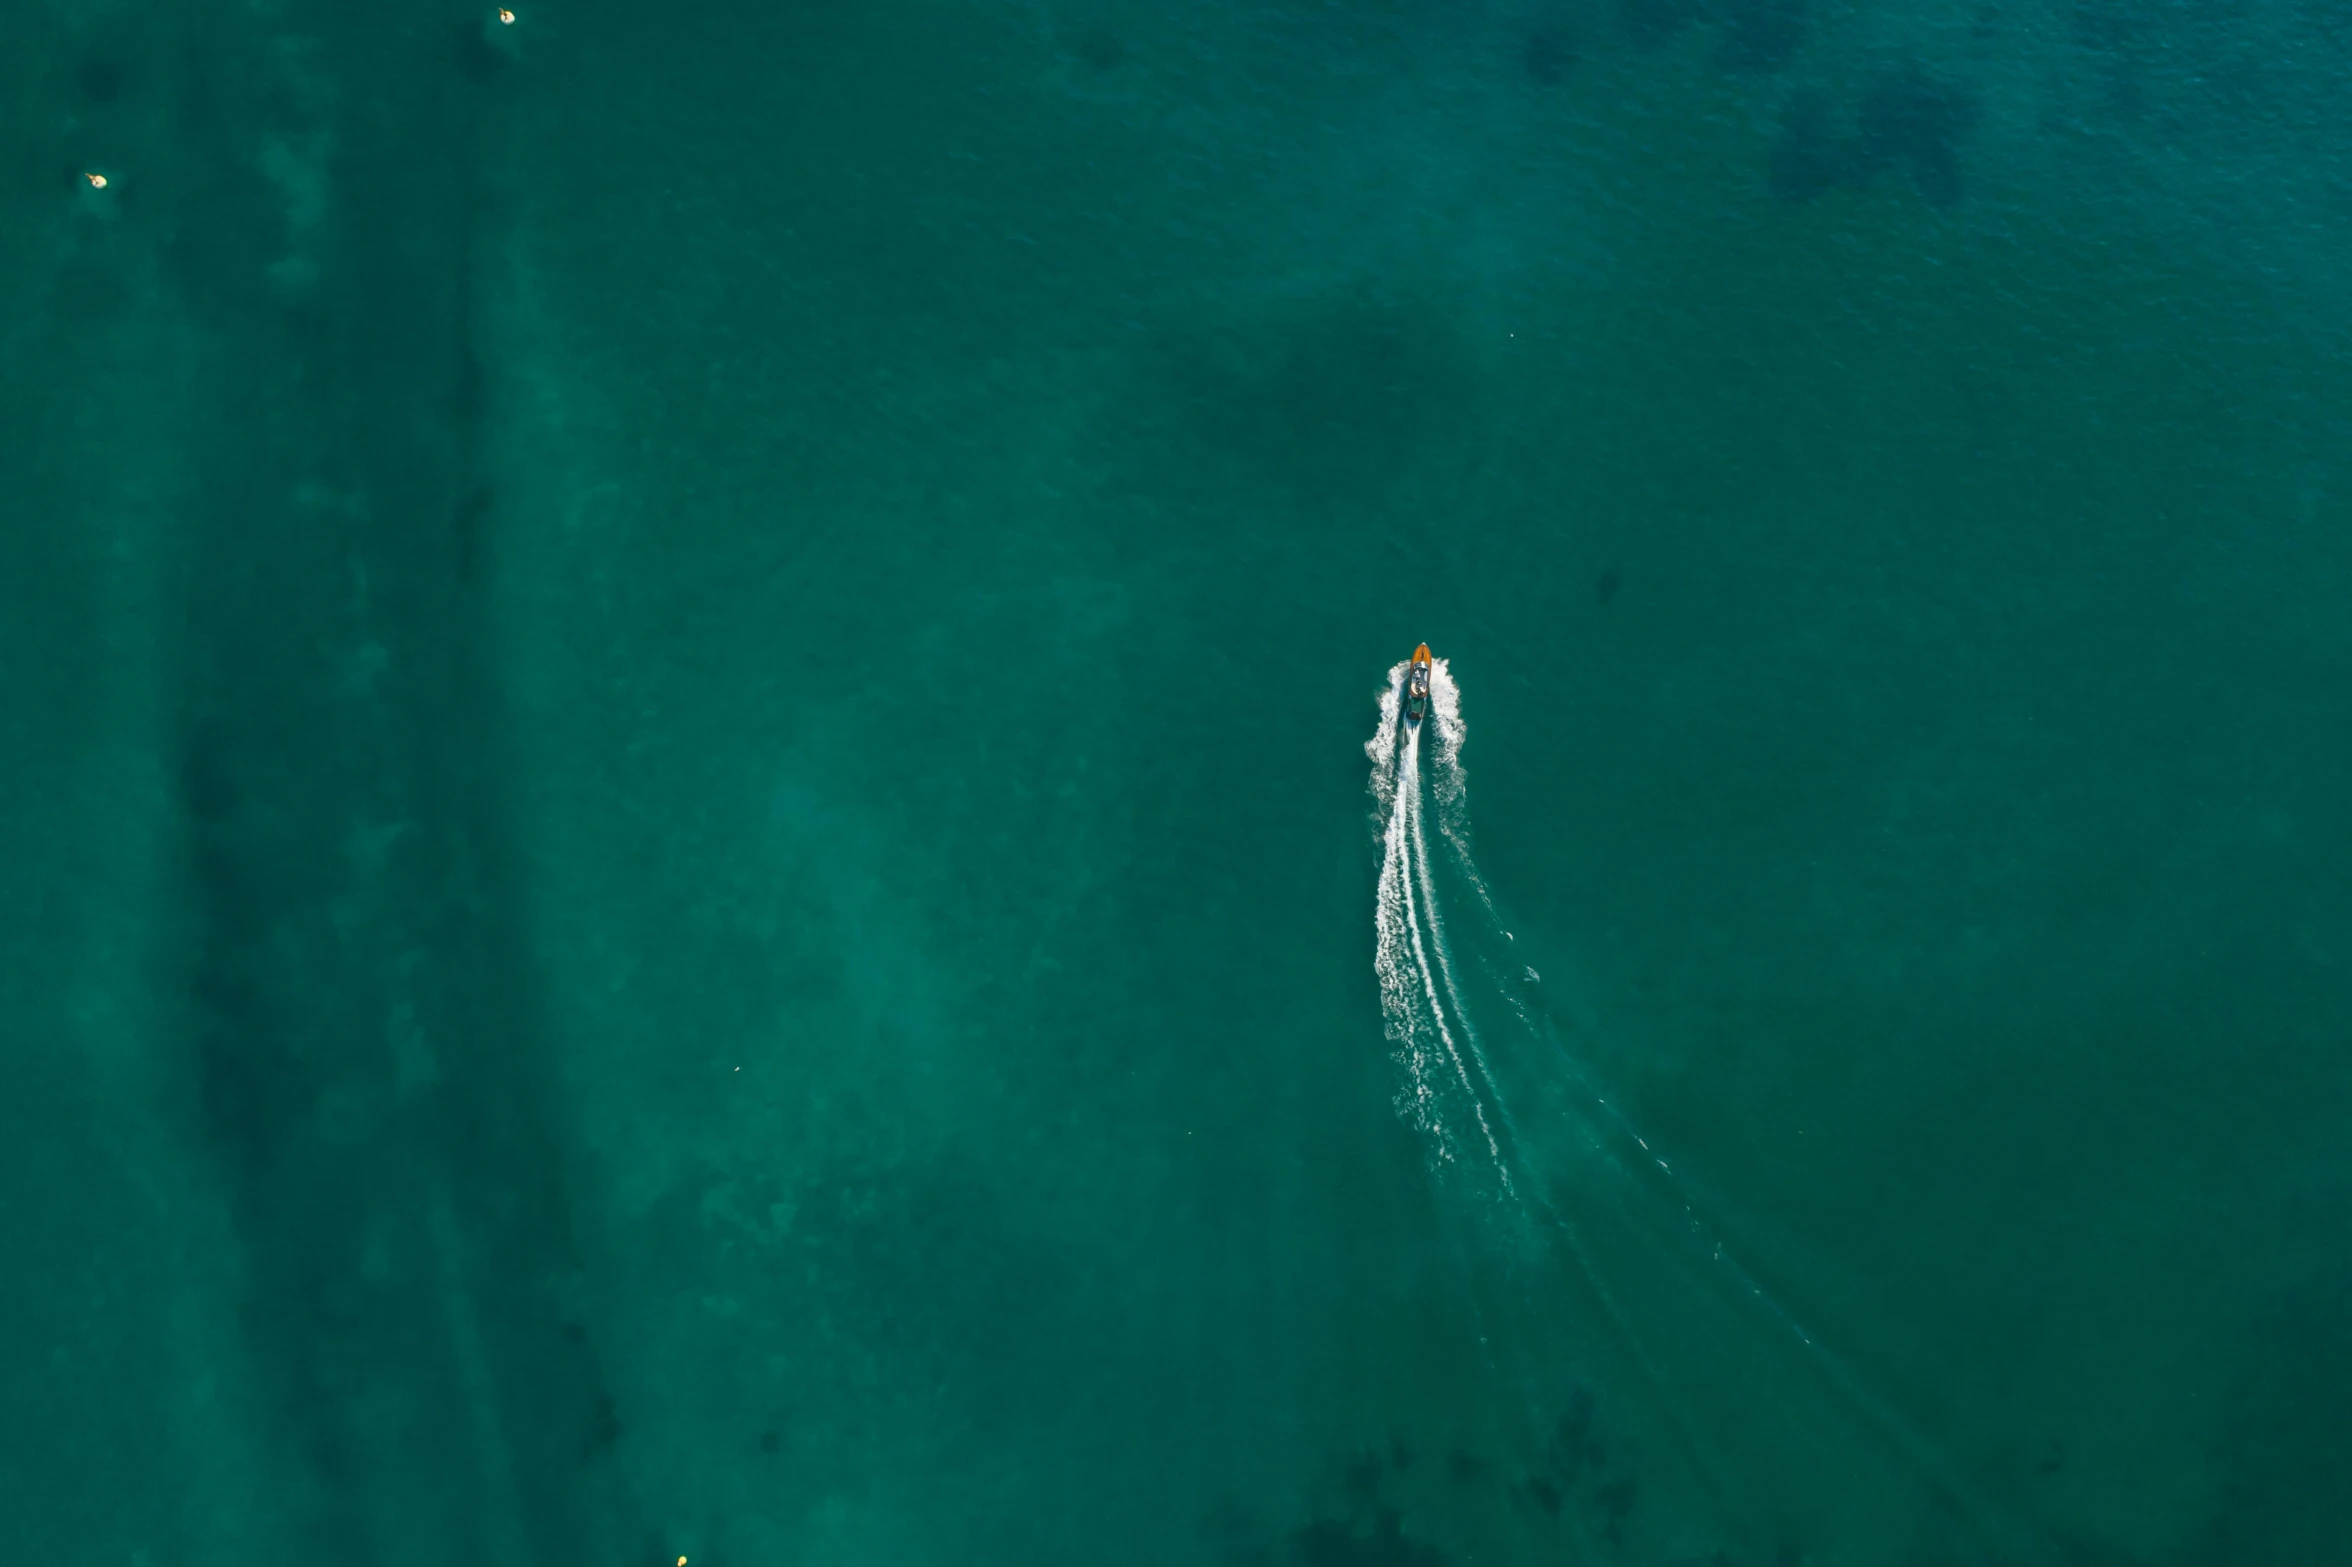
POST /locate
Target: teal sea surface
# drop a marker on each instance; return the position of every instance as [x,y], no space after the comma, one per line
[712,855]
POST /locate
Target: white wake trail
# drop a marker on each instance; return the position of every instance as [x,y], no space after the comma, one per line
[1409,981]
[1446,782]
[1649,1235]
[1419,845]
[1392,961]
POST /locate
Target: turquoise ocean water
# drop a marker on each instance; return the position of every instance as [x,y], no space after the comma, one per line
[708,856]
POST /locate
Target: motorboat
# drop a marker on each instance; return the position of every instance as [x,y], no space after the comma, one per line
[1417,688]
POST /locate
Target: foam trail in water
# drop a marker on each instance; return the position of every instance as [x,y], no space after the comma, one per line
[1417,1021]
[1449,784]
[1586,1153]
[1417,845]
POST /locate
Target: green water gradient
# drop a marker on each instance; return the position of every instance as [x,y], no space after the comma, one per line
[684,788]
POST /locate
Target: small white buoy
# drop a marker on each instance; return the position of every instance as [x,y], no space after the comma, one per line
[96,196]
[500,34]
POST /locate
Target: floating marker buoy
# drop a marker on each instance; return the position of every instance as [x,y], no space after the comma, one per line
[500,36]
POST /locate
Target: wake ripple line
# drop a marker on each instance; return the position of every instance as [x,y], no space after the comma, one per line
[1408,792]
[1399,785]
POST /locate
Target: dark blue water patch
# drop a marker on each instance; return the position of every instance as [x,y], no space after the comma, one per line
[1335,399]
[1098,48]
[2224,65]
[473,52]
[1756,36]
[1367,1529]
[1762,36]
[1811,157]
[1572,1475]
[2131,44]
[1652,24]
[1327,1542]
[2109,26]
[360,1029]
[103,76]
[1906,123]
[1549,52]
[1572,1484]
[252,1094]
[1911,121]
[2284,1446]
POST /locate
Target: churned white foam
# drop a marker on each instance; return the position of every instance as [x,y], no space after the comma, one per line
[1459,1095]
[1392,961]
[1415,989]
